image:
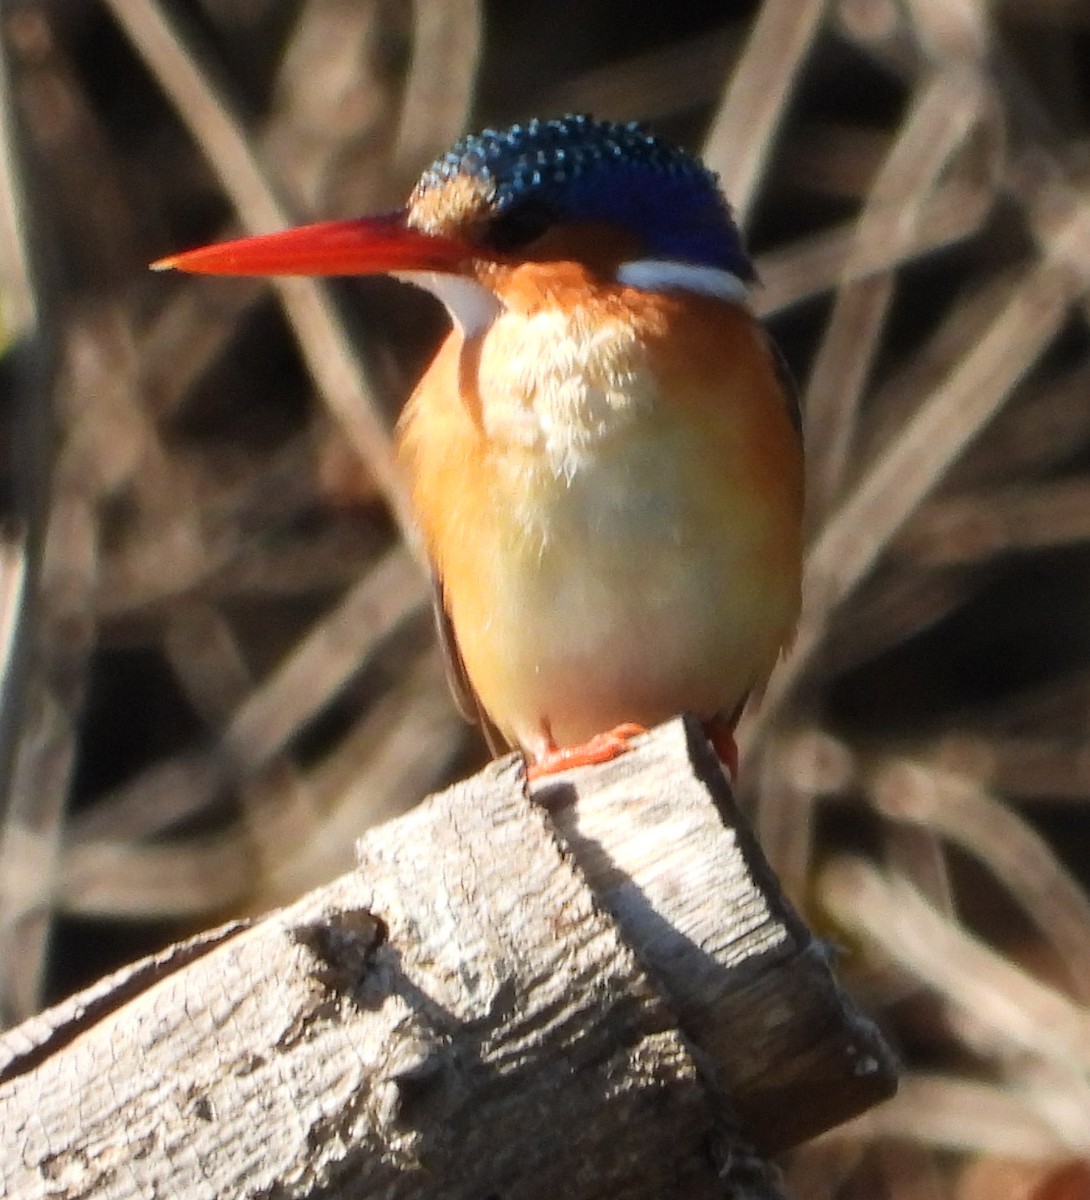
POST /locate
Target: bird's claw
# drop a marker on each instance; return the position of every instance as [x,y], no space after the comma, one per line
[599,749]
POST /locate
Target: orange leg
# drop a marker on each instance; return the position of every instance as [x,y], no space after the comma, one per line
[601,748]
[720,733]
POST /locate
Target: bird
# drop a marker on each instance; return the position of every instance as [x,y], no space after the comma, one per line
[605,456]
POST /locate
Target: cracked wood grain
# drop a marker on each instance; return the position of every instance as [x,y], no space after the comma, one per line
[578,996]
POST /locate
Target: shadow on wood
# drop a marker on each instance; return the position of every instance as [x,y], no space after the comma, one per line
[601,993]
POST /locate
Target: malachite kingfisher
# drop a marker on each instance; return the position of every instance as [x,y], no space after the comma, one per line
[605,456]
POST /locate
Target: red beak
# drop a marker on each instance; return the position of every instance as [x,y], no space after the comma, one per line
[364,246]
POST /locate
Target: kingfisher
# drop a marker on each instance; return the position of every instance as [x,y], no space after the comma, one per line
[605,456]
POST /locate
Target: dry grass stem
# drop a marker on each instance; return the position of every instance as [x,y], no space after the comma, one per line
[439,90]
[960,811]
[658,84]
[121,879]
[953,1114]
[1021,1012]
[939,123]
[743,131]
[1004,521]
[812,265]
[1054,770]
[18,298]
[334,649]
[337,369]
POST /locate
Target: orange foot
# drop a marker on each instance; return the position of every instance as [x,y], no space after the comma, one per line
[721,735]
[601,748]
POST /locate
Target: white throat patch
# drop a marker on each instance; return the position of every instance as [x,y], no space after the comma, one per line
[663,274]
[472,307]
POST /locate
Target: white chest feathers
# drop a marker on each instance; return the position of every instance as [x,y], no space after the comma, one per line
[556,383]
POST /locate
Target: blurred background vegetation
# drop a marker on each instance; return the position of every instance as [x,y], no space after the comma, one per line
[217,650]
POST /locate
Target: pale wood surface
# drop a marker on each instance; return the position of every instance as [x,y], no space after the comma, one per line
[665,849]
[505,998]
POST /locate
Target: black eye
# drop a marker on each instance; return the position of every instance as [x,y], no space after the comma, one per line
[521,224]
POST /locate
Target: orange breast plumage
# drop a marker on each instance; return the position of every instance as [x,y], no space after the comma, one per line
[609,484]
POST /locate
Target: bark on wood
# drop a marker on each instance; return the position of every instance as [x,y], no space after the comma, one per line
[575,997]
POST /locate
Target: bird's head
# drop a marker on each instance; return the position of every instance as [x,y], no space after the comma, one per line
[621,202]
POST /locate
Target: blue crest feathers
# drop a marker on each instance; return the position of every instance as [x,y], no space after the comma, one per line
[575,168]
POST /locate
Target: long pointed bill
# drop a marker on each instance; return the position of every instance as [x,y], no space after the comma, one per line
[364,246]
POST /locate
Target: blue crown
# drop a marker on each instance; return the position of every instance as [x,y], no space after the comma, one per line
[580,169]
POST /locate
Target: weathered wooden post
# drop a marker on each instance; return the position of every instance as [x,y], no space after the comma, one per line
[594,991]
